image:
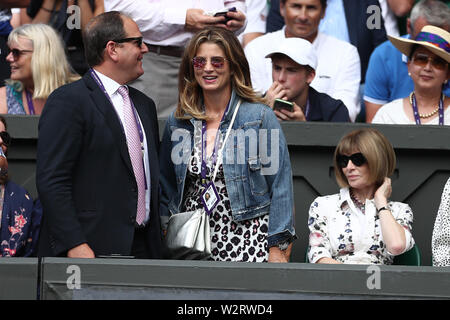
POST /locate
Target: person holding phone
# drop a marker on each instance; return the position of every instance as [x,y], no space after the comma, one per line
[292,98]
[360,225]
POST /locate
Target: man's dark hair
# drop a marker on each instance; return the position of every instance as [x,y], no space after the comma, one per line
[101,29]
[322,2]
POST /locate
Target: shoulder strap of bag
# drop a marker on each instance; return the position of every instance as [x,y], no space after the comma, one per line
[225,139]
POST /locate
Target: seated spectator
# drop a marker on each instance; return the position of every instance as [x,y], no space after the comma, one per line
[38,66]
[57,13]
[20,216]
[338,73]
[256,21]
[440,243]
[428,66]
[360,225]
[387,75]
[293,69]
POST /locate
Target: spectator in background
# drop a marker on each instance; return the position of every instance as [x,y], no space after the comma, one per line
[338,72]
[428,66]
[20,216]
[387,74]
[38,66]
[440,242]
[359,225]
[55,13]
[256,20]
[293,69]
[392,10]
[5,29]
[167,25]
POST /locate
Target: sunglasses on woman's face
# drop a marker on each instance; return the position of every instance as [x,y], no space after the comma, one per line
[16,53]
[6,138]
[357,159]
[421,60]
[216,62]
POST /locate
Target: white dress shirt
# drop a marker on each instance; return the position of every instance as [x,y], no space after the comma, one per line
[338,70]
[162,22]
[111,88]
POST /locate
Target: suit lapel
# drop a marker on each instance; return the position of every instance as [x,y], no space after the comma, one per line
[104,105]
[351,10]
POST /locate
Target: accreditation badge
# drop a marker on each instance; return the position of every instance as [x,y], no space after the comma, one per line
[210,197]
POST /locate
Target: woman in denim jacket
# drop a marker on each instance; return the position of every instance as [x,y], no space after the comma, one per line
[253,217]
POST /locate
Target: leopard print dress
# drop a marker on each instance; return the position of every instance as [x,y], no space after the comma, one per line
[440,243]
[230,240]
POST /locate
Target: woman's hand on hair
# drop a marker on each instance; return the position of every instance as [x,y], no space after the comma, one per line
[383,193]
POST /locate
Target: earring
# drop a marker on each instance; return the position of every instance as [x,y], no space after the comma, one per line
[409,74]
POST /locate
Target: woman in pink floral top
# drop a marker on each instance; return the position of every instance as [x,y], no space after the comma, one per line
[359,225]
[20,216]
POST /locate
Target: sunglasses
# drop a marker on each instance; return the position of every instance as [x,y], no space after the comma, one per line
[137,40]
[16,53]
[6,138]
[421,60]
[357,159]
[216,62]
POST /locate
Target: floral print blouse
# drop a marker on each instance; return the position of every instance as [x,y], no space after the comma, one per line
[20,222]
[440,241]
[340,231]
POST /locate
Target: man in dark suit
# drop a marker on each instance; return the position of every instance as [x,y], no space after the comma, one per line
[97,164]
[293,69]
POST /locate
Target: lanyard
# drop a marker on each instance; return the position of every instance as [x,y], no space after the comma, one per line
[416,111]
[30,102]
[204,153]
[141,133]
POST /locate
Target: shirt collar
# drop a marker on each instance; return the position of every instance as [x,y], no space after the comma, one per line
[109,84]
[344,197]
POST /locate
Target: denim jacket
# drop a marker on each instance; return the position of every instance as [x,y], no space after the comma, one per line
[256,167]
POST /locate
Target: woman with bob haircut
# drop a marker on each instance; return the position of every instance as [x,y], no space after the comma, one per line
[360,225]
[38,66]
[252,218]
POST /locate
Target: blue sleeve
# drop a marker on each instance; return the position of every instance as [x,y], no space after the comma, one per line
[377,78]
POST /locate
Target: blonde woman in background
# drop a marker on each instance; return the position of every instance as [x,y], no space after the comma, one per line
[38,66]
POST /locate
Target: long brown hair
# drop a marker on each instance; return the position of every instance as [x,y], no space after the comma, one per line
[190,92]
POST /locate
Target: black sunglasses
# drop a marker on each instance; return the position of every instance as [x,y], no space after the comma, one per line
[357,159]
[138,40]
[6,138]
[16,53]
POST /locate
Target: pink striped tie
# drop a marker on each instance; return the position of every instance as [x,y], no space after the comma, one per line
[135,151]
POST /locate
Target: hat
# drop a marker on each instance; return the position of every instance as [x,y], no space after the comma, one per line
[435,39]
[298,49]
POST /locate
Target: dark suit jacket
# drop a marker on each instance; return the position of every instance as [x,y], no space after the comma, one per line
[84,173]
[325,108]
[363,38]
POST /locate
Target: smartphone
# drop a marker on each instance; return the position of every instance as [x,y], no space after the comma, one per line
[283,104]
[224,14]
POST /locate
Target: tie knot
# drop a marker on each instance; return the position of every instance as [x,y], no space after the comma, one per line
[123,91]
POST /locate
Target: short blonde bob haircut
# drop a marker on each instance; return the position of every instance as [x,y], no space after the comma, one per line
[190,92]
[49,64]
[375,147]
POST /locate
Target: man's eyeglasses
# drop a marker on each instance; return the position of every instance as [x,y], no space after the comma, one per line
[6,138]
[16,53]
[357,159]
[216,62]
[137,40]
[421,60]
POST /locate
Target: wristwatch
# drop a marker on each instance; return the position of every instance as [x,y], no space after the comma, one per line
[382,208]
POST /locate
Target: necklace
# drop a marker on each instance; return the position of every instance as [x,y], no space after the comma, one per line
[361,206]
[425,115]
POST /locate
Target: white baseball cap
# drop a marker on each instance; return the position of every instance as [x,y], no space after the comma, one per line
[298,49]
